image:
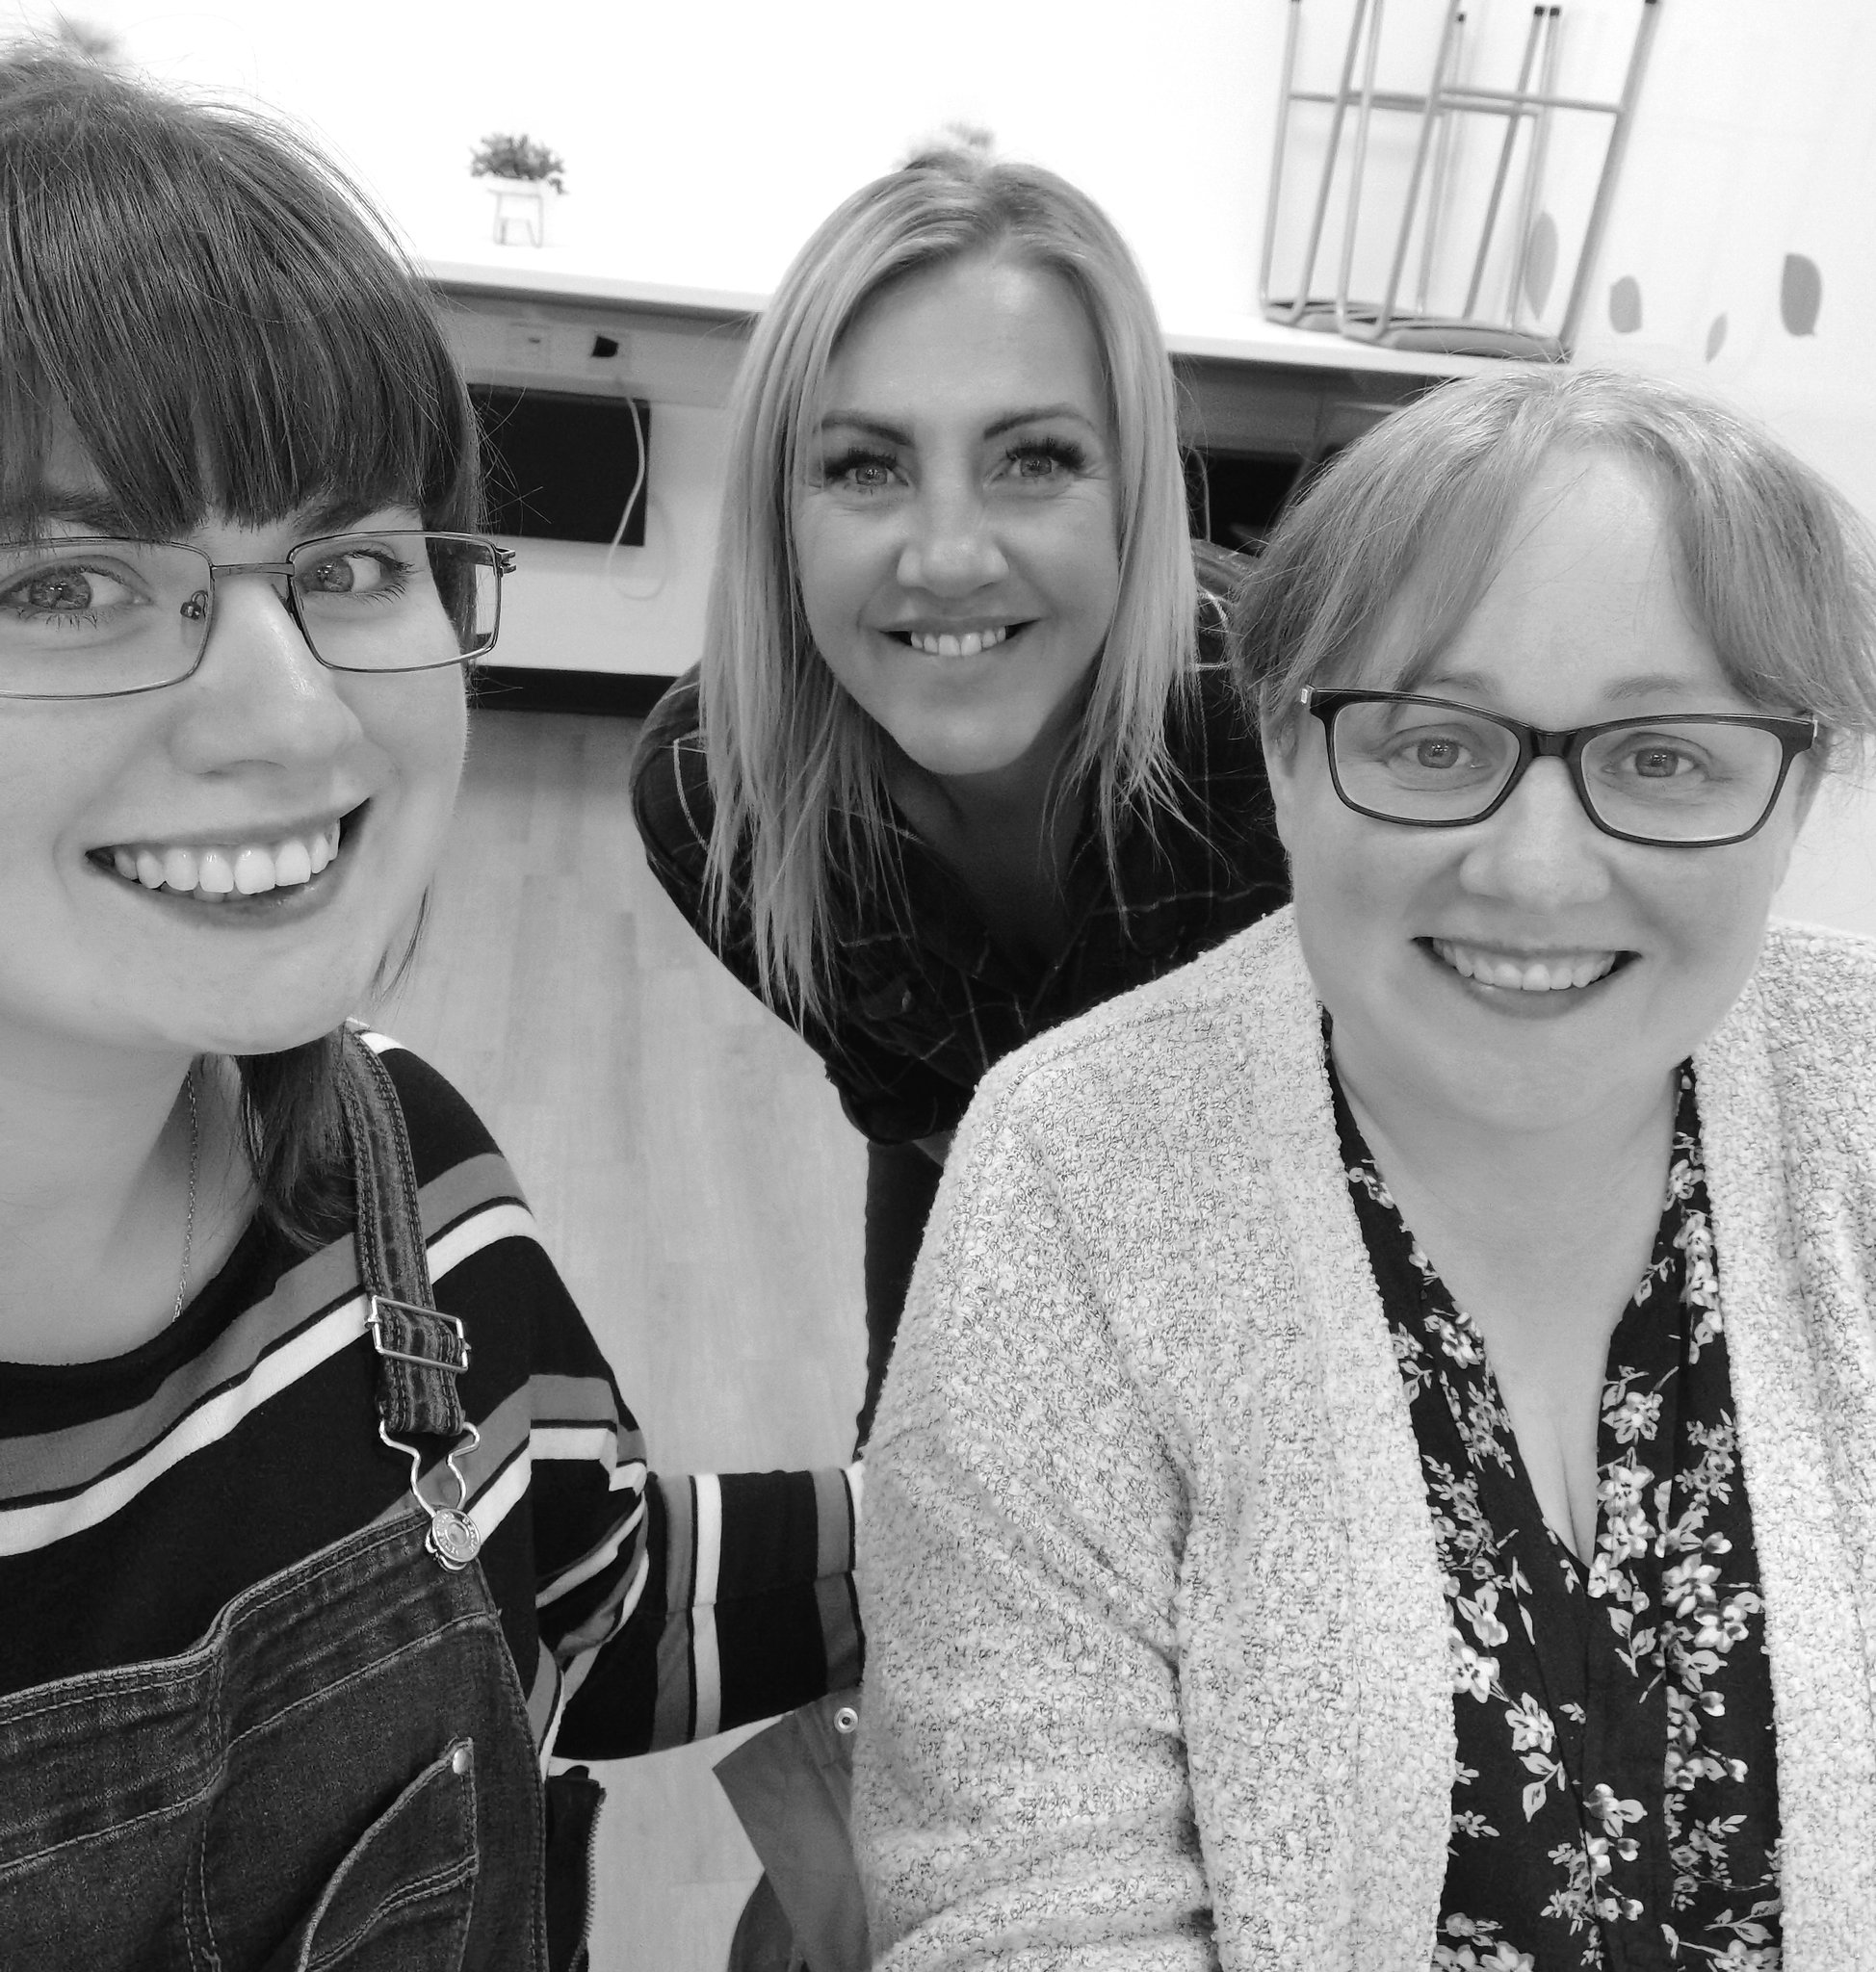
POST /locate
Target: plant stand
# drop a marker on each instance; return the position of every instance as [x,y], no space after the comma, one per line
[521,208]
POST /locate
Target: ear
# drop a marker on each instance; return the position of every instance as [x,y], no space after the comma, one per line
[1809,779]
[1283,747]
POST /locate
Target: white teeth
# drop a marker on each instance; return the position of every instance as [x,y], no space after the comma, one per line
[1539,976]
[244,869]
[254,872]
[968,643]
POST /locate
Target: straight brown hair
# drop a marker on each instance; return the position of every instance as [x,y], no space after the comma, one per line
[225,324]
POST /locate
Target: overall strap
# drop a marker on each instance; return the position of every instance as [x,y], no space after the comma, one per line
[421,1352]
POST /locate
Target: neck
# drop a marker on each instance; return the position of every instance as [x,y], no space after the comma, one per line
[1508,1181]
[95,1179]
[1007,801]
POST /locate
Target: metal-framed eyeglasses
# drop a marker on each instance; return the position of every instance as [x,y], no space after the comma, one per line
[1686,780]
[99,618]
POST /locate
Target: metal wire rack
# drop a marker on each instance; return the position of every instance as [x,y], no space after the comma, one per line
[1512,235]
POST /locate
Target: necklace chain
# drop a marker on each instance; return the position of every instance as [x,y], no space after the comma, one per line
[194,1165]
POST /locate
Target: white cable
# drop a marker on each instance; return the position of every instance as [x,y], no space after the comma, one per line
[619,589]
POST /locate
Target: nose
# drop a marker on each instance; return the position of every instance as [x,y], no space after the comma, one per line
[259,695]
[950,549]
[1540,851]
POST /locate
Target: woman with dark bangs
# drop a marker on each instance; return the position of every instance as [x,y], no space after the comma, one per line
[322,1522]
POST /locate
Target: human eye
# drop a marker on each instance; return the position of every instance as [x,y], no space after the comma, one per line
[1045,460]
[1445,750]
[359,569]
[1676,762]
[74,592]
[1646,758]
[859,469]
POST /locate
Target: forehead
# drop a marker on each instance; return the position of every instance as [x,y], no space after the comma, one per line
[982,331]
[71,495]
[1583,604]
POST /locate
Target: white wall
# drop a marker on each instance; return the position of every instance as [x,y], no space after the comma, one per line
[1757,142]
[705,138]
[703,141]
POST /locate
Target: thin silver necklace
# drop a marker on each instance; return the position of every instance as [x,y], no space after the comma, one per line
[194,1165]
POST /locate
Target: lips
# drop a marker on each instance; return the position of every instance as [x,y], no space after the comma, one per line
[957,643]
[238,867]
[1554,971]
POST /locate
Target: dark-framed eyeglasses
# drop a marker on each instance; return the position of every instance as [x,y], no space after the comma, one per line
[1681,780]
[98,617]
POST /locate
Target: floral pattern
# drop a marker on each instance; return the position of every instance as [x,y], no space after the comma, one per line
[1615,1801]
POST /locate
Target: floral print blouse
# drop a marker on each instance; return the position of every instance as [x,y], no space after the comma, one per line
[1615,1801]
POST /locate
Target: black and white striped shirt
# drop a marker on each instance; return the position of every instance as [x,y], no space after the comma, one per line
[139,1495]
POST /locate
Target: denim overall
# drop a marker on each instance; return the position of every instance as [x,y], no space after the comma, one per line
[340,1774]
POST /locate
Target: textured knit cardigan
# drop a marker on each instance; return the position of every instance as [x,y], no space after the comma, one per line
[1157,1663]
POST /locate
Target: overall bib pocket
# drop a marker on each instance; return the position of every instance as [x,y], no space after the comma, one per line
[339,1774]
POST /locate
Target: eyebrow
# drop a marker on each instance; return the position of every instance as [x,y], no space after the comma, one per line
[1007,421]
[339,510]
[105,514]
[100,512]
[1418,677]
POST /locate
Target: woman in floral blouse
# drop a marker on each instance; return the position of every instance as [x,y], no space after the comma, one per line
[1377,1475]
[1572,1674]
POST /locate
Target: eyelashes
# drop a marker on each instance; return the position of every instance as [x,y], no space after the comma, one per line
[870,468]
[858,458]
[1062,452]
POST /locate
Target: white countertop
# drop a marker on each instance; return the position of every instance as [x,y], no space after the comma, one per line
[545,275]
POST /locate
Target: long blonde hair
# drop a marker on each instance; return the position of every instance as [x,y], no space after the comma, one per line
[795,766]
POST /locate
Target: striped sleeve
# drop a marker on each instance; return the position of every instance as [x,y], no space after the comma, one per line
[743,1605]
[641,1612]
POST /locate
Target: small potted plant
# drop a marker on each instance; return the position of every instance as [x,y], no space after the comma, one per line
[525,177]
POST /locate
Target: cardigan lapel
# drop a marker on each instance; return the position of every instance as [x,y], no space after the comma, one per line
[1816,1606]
[1398,1815]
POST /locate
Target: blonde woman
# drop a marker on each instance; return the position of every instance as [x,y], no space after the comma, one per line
[960,759]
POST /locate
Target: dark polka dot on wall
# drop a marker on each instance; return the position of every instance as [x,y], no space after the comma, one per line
[1716,337]
[1801,293]
[1625,305]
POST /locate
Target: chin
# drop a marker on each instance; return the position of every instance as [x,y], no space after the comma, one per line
[260,1025]
[955,757]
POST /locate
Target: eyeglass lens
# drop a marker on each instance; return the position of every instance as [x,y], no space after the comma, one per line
[86,618]
[1669,780]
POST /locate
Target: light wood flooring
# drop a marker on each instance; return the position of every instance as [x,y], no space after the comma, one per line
[694,1179]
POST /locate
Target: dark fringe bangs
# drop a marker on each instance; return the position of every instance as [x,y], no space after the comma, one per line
[206,304]
[224,324]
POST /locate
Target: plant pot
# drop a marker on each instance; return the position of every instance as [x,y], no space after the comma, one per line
[523,210]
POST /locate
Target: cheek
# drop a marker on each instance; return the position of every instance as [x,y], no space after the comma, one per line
[423,734]
[1079,557]
[834,568]
[1714,922]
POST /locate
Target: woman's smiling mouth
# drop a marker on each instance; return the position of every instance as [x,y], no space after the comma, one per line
[1554,973]
[956,643]
[214,873]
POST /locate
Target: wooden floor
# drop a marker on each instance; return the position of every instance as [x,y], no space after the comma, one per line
[694,1179]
